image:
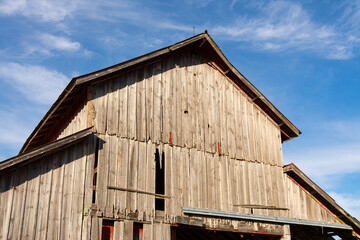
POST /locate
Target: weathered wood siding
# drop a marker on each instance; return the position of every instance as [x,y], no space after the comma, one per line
[304,206]
[77,123]
[45,199]
[184,101]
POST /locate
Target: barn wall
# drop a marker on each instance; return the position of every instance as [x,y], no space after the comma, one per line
[77,123]
[184,101]
[45,199]
[193,178]
[303,205]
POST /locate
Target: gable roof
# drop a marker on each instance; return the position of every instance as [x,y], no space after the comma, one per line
[202,43]
[295,173]
[45,150]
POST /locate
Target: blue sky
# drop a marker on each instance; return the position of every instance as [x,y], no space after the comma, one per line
[304,56]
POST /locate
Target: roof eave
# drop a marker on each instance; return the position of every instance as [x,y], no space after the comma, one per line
[294,172]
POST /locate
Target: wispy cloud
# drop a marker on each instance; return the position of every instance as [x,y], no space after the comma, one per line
[351,203]
[50,10]
[11,132]
[282,25]
[36,83]
[58,43]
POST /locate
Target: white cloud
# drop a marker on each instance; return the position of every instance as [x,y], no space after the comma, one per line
[36,83]
[58,43]
[44,10]
[282,25]
[12,133]
[350,202]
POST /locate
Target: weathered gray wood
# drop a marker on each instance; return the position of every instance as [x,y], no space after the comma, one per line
[128,230]
[132,175]
[113,106]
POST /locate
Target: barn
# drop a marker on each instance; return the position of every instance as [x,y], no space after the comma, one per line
[175,144]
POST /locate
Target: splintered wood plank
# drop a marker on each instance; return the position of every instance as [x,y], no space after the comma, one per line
[150,177]
[56,196]
[113,107]
[132,105]
[140,105]
[149,101]
[132,175]
[112,174]
[157,102]
[237,184]
[122,174]
[123,105]
[142,177]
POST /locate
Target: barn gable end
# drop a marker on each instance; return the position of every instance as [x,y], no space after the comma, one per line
[173,144]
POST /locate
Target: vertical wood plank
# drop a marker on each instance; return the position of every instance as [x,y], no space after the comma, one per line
[132,175]
[113,106]
[140,105]
[123,105]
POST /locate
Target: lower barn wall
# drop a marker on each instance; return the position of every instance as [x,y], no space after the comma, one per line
[45,199]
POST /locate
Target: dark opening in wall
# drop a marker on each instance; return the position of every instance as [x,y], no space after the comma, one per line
[159,180]
[107,232]
[138,231]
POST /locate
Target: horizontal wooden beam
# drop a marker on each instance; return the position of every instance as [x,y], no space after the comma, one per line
[138,191]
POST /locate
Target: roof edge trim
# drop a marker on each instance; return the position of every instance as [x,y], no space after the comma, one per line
[294,172]
[45,150]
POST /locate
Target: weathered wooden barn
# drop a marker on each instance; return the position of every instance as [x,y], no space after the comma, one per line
[174,144]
